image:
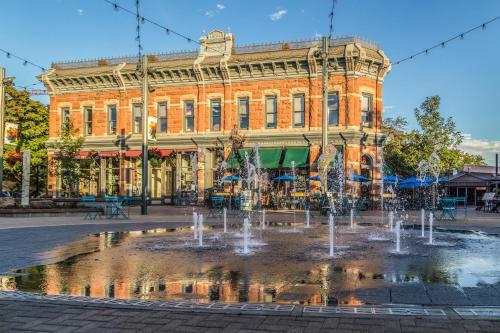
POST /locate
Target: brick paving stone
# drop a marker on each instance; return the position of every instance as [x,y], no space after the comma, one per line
[313,327]
[67,329]
[446,295]
[232,328]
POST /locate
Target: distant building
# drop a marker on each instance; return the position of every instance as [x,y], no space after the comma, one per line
[473,182]
[271,92]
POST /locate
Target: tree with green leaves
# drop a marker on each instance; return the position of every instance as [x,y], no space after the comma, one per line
[32,117]
[405,149]
[65,163]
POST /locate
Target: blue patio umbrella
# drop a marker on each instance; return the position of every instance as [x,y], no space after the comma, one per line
[359,178]
[390,179]
[415,180]
[231,178]
[412,185]
[284,178]
[315,177]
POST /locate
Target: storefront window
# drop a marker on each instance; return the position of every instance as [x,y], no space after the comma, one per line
[89,182]
[112,175]
[187,179]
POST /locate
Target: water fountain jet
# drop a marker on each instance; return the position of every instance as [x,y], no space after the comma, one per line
[200,230]
[331,227]
[195,225]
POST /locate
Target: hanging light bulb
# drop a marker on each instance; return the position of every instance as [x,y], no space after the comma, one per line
[462,36]
[8,54]
[167,31]
[25,62]
[115,7]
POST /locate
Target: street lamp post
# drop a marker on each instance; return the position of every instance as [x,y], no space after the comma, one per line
[324,110]
[2,113]
[144,207]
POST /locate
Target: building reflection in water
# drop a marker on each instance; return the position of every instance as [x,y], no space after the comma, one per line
[116,265]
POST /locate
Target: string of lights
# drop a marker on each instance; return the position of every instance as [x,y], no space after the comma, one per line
[331,19]
[460,36]
[25,62]
[27,86]
[167,30]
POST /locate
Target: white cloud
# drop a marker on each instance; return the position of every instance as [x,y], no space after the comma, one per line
[212,12]
[80,12]
[485,148]
[277,15]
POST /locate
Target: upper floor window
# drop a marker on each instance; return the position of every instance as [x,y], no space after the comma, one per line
[271,110]
[366,110]
[112,115]
[299,110]
[65,117]
[333,109]
[87,120]
[162,117]
[137,118]
[189,116]
[243,110]
[215,112]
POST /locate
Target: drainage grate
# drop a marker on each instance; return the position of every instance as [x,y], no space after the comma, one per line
[229,306]
[374,311]
[478,312]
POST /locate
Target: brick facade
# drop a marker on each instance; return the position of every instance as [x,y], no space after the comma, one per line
[356,68]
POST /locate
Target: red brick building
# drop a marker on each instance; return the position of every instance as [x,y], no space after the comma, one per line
[272,93]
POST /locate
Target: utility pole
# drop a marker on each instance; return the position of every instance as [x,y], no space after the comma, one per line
[144,207]
[324,109]
[324,123]
[2,113]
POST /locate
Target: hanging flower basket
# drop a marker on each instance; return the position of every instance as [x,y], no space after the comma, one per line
[154,157]
[13,157]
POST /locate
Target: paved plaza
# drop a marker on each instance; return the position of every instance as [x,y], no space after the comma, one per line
[26,242]
[39,316]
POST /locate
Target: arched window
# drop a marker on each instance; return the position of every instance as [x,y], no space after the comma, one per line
[366,164]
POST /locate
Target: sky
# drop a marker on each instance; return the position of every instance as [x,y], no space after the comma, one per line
[465,73]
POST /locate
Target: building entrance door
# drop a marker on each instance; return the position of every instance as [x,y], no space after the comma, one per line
[156,192]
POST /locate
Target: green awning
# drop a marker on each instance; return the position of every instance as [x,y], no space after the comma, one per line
[232,162]
[387,170]
[297,155]
[270,157]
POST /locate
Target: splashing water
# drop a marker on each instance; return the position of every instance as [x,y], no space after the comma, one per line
[422,222]
[398,236]
[224,213]
[195,225]
[200,230]
[246,236]
[331,229]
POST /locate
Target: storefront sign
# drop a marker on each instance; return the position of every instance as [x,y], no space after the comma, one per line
[11,134]
[152,123]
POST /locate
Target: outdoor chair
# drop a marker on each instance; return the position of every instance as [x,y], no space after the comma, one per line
[115,208]
[92,208]
[447,209]
[217,206]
